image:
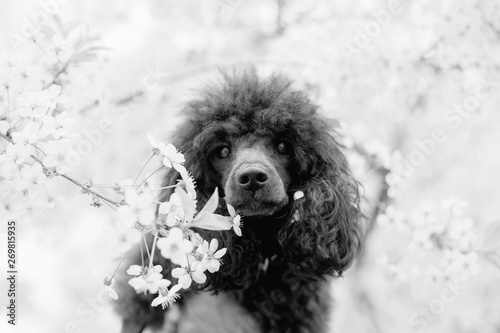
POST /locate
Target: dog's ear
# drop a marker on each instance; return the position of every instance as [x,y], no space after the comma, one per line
[323,234]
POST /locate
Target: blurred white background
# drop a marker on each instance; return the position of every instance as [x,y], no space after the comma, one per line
[392,71]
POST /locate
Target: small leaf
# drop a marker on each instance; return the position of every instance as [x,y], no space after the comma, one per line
[212,203]
[210,221]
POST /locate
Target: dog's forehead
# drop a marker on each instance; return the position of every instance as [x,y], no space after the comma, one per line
[251,140]
[262,123]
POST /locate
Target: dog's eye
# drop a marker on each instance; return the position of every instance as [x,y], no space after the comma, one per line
[283,147]
[223,152]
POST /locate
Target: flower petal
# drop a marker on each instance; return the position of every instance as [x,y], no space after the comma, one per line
[185,281]
[298,195]
[178,272]
[220,253]
[231,210]
[111,293]
[199,276]
[134,270]
[237,229]
[214,244]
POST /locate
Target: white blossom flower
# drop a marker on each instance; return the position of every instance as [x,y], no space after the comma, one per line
[59,155]
[150,281]
[62,48]
[56,97]
[167,297]
[235,220]
[193,272]
[173,209]
[17,153]
[137,208]
[171,157]
[175,247]
[155,143]
[38,103]
[32,176]
[211,257]
[58,126]
[29,136]
[34,104]
[188,204]
[20,73]
[108,287]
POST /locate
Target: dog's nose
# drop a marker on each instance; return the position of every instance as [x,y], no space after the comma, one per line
[252,179]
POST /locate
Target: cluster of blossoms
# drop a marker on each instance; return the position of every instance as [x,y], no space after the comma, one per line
[441,234]
[442,244]
[36,116]
[172,231]
[36,145]
[36,141]
[37,126]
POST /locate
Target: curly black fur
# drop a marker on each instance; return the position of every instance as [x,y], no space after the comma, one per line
[290,295]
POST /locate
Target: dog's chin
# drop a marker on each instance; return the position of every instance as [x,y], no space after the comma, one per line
[257,208]
[262,212]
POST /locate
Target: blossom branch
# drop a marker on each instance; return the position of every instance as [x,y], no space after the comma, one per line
[86,189]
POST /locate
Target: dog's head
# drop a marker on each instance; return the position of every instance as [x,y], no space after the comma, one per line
[253,170]
[259,142]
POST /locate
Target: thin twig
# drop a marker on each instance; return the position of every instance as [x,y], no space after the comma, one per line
[146,246]
[110,206]
[74,181]
[145,180]
[140,171]
[88,190]
[142,255]
[119,263]
[153,251]
[41,151]
[162,188]
[7,88]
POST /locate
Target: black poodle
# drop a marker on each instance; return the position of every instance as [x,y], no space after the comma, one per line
[259,141]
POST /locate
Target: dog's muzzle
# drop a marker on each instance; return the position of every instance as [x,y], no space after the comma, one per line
[252,178]
[255,189]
